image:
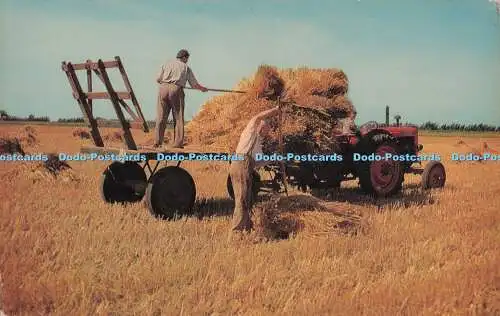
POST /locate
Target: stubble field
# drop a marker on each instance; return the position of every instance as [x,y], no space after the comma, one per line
[65,252]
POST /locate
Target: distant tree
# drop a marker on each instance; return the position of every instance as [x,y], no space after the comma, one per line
[429,126]
[71,120]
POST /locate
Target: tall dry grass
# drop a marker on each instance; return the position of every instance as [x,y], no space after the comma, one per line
[64,252]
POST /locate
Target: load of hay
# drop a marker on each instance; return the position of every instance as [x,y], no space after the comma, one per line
[320,94]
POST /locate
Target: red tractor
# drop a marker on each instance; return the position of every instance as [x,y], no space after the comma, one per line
[377,174]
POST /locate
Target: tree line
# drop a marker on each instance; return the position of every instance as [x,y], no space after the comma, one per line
[6,117]
[430,126]
[108,122]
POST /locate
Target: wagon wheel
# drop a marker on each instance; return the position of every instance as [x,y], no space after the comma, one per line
[434,175]
[385,177]
[123,182]
[171,193]
[256,184]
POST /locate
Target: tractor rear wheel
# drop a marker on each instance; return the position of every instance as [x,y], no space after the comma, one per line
[382,177]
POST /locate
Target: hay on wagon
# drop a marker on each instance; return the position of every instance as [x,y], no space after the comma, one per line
[321,94]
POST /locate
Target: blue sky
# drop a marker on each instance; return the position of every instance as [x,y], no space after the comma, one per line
[435,60]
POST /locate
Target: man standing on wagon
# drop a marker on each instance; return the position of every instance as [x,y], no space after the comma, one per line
[172,79]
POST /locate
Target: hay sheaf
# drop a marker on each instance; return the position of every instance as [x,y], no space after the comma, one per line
[39,173]
[284,216]
[114,136]
[81,133]
[29,136]
[480,151]
[267,83]
[488,149]
[24,138]
[54,165]
[222,119]
[11,145]
[320,82]
[51,169]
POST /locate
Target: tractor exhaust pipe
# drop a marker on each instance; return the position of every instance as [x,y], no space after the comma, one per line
[387,115]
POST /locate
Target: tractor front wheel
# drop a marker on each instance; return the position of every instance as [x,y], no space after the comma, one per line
[434,175]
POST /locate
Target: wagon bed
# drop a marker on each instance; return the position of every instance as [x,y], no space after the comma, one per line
[149,151]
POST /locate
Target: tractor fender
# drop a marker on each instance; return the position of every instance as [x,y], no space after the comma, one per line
[369,138]
[374,132]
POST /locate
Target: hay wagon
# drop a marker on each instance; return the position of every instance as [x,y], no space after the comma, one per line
[168,191]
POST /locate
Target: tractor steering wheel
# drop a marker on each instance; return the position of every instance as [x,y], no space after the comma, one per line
[368,126]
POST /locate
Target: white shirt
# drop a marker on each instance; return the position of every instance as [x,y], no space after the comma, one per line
[251,143]
[176,72]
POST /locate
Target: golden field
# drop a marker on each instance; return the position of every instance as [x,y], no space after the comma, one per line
[65,252]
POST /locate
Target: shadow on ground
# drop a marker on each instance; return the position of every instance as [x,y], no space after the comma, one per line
[208,207]
[412,195]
